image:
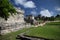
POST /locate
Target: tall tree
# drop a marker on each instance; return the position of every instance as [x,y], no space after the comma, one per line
[52,18]
[57,15]
[5,8]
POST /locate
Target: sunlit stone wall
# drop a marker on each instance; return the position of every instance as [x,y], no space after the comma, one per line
[19,17]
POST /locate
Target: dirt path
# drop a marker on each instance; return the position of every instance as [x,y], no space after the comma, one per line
[41,24]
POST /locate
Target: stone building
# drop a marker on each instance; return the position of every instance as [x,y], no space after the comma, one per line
[30,19]
[19,17]
[14,22]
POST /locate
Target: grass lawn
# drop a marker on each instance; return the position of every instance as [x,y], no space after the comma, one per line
[50,30]
[12,35]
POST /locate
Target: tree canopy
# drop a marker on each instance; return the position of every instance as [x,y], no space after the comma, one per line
[5,8]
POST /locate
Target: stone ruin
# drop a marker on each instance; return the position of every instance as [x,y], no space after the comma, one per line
[14,23]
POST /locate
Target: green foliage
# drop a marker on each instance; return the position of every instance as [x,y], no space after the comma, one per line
[5,8]
[57,17]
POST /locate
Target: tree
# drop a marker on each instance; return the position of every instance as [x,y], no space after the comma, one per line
[52,18]
[5,8]
[57,15]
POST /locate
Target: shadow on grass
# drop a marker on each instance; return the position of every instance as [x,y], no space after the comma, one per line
[27,37]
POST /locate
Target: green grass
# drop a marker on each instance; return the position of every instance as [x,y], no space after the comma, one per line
[58,18]
[12,35]
[50,30]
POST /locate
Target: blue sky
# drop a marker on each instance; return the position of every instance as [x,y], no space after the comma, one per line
[44,7]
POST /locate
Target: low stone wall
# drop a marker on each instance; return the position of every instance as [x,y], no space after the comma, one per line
[12,27]
[15,27]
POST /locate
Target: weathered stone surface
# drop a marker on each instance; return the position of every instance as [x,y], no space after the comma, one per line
[13,23]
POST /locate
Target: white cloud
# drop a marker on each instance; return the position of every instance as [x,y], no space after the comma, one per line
[29,4]
[57,8]
[25,3]
[20,2]
[46,13]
